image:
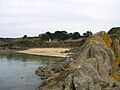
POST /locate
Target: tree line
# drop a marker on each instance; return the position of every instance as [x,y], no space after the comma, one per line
[38,41]
[63,35]
[57,35]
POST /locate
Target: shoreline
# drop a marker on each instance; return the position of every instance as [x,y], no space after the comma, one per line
[54,52]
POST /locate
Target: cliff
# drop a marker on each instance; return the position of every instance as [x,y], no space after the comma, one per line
[94,66]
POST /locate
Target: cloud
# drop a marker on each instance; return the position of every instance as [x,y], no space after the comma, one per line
[35,16]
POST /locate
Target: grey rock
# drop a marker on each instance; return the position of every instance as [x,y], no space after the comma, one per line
[88,68]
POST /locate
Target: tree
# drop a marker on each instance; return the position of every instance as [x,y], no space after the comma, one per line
[25,36]
[87,34]
[75,35]
[49,35]
[61,35]
[84,34]
[44,37]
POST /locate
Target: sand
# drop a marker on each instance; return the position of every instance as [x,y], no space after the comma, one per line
[56,52]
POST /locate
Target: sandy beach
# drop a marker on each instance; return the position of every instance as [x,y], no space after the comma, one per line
[56,52]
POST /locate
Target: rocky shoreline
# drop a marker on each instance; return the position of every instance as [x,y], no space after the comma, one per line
[94,66]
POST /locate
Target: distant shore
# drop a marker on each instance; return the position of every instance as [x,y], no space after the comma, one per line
[55,52]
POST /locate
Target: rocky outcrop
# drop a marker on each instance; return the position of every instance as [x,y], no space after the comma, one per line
[91,67]
[116,48]
[116,64]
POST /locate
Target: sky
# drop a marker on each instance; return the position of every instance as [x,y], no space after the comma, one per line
[32,17]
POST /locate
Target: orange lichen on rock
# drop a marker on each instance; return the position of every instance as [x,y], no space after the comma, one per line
[107,40]
[102,37]
[115,69]
[116,48]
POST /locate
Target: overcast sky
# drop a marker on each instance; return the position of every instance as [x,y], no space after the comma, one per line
[31,17]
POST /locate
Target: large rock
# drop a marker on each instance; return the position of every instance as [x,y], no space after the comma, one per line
[89,68]
[116,48]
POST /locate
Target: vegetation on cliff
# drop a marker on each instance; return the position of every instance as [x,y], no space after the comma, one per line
[114,33]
